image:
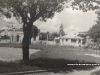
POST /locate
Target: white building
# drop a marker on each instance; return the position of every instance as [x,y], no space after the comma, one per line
[12,33]
[15,35]
[69,40]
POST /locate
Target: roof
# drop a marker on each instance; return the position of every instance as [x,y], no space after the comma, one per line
[70,36]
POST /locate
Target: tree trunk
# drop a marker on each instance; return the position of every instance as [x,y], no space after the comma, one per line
[25,49]
[26,42]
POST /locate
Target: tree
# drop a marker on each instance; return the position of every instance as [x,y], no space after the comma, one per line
[55,34]
[27,12]
[86,5]
[83,36]
[94,32]
[35,31]
[52,36]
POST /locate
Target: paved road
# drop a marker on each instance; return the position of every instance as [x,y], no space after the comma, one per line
[12,54]
[83,72]
[44,72]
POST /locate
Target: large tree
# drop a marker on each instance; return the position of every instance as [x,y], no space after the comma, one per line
[94,32]
[27,12]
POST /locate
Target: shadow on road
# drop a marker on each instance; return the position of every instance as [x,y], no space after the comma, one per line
[60,65]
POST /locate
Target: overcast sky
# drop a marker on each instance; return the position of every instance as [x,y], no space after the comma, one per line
[73,21]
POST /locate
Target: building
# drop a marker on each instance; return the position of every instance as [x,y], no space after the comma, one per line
[71,40]
[16,35]
[68,39]
[11,35]
[44,38]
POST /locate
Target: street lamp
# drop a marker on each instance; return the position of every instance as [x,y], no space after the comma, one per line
[47,36]
[47,39]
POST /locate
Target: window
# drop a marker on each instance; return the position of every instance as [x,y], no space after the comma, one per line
[66,39]
[57,40]
[17,37]
[79,41]
[73,40]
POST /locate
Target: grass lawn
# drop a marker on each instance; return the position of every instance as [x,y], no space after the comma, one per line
[19,45]
[66,53]
[57,52]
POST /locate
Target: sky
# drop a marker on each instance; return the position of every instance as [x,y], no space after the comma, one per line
[73,21]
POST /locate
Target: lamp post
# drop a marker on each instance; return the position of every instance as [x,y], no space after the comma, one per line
[47,39]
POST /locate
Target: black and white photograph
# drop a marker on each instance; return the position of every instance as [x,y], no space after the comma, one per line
[49,37]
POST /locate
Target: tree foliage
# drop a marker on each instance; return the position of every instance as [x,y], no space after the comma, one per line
[52,36]
[35,31]
[28,11]
[86,5]
[31,10]
[83,36]
[94,32]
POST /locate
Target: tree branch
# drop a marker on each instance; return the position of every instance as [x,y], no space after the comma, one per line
[18,9]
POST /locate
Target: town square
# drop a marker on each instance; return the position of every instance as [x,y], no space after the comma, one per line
[49,37]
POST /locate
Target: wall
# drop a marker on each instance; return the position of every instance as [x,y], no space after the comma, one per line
[69,43]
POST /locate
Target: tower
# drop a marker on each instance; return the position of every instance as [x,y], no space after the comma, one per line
[61,33]
[61,27]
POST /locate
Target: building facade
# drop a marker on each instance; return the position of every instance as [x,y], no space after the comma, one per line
[68,39]
[71,40]
[16,35]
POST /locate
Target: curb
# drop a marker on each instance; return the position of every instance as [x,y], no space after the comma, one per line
[24,72]
[30,72]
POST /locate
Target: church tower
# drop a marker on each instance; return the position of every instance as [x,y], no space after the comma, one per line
[61,32]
